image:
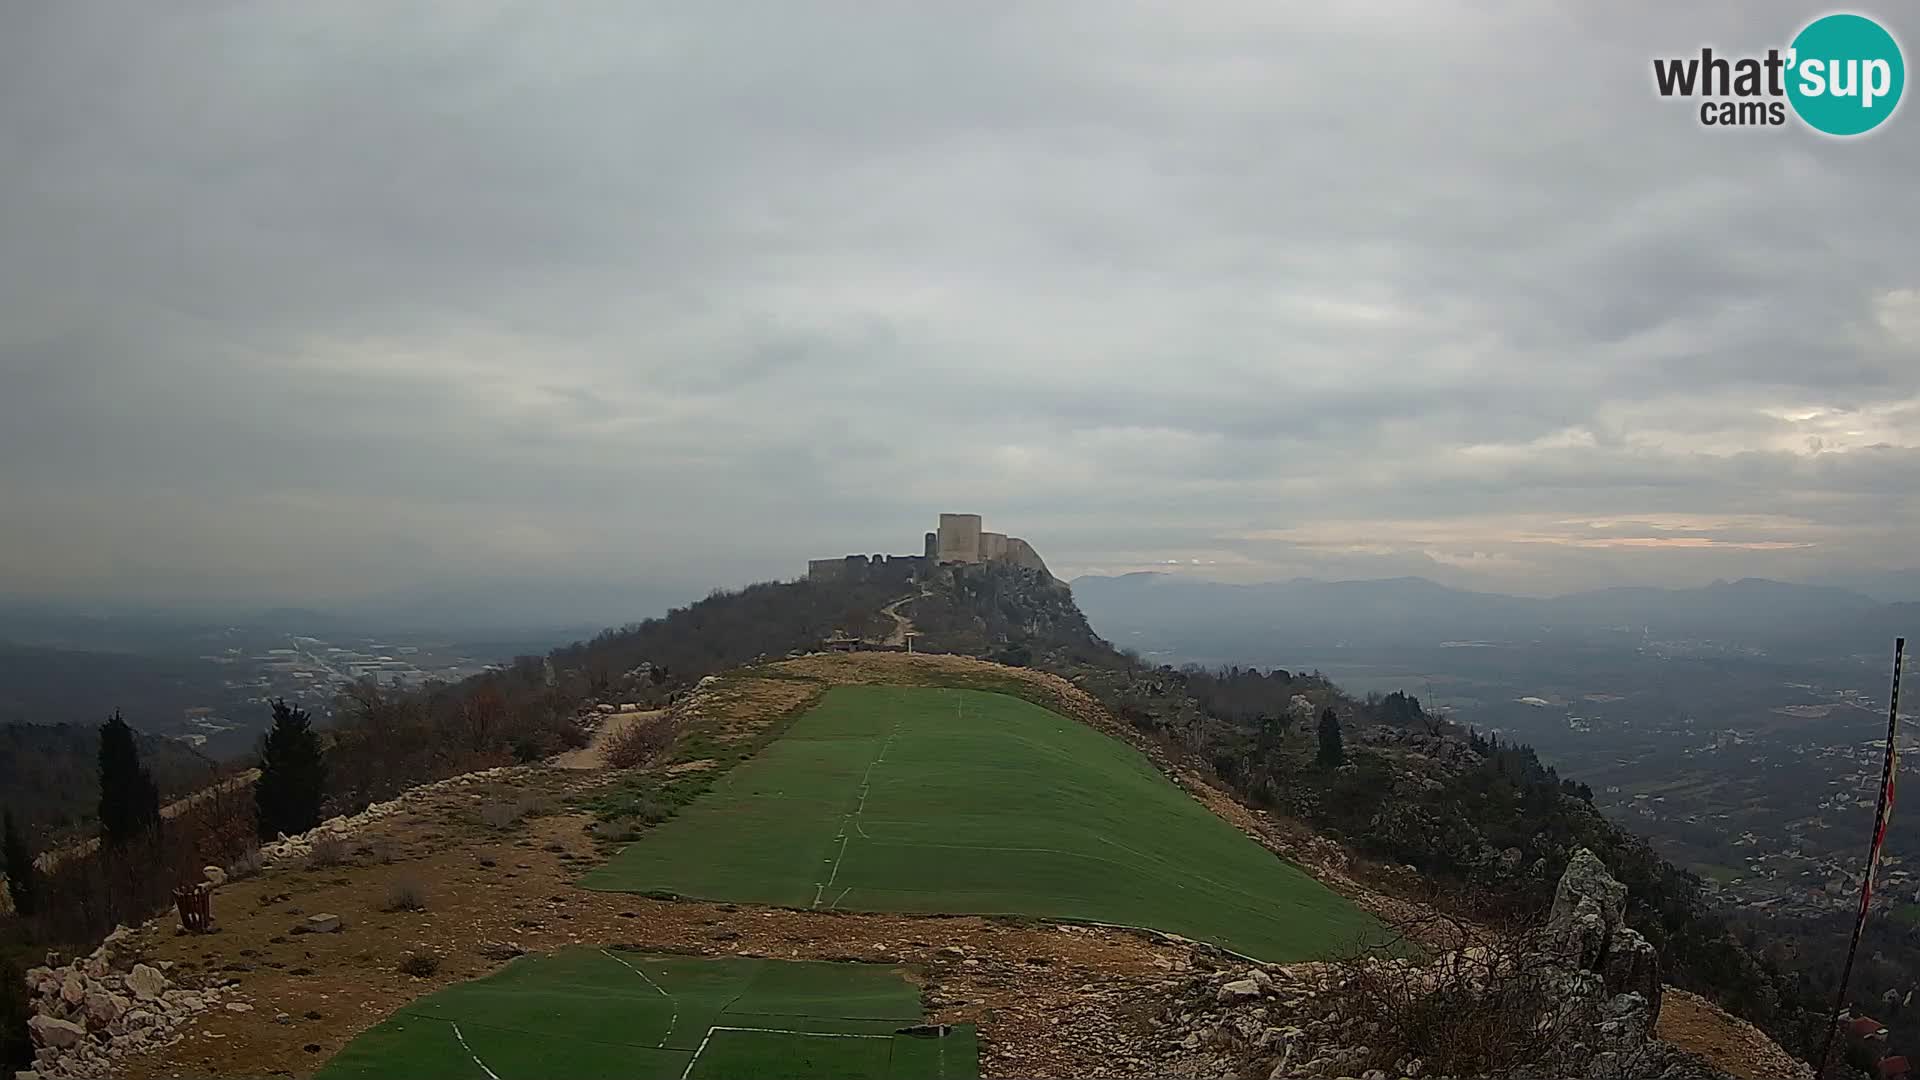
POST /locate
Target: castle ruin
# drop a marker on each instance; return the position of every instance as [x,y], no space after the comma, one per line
[958,541]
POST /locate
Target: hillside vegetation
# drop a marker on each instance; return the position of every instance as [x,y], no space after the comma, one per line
[49,776]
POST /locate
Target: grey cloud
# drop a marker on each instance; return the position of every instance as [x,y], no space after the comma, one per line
[314,303]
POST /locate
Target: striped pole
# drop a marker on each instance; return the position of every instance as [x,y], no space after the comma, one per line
[1888,772]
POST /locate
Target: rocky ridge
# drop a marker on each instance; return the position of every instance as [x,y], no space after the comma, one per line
[1576,1000]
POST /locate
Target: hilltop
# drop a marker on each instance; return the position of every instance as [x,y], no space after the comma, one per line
[1421,823]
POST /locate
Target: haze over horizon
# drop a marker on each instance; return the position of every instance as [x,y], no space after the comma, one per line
[324,305]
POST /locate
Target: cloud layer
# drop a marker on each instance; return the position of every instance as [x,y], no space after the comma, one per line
[310,303]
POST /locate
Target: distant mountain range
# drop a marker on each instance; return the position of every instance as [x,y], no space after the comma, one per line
[1154,610]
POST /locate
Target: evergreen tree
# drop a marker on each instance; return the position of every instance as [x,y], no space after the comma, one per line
[129,799]
[293,774]
[1333,749]
[22,877]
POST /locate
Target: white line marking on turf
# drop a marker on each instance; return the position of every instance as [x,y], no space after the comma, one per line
[702,1048]
[471,1054]
[671,1000]
[866,787]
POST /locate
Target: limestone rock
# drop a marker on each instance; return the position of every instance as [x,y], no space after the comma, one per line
[1239,990]
[1632,966]
[1589,931]
[1587,889]
[57,1034]
[325,923]
[104,1008]
[73,991]
[146,982]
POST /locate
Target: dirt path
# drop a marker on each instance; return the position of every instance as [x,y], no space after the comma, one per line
[594,755]
[902,626]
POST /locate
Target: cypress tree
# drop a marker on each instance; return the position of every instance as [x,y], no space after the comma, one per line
[1333,750]
[129,799]
[293,774]
[22,876]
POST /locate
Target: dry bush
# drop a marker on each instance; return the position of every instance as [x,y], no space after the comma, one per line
[329,849]
[639,743]
[499,815]
[420,965]
[84,896]
[1492,1009]
[247,864]
[406,894]
[616,832]
[505,813]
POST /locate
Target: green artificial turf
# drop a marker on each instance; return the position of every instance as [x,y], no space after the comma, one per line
[965,802]
[590,1013]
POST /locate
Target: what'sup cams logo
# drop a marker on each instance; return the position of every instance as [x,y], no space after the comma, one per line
[1842,75]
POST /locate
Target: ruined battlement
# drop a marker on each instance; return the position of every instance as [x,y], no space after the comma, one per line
[958,540]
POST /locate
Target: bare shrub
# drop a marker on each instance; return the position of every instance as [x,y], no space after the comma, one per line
[420,965]
[617,832]
[84,895]
[638,743]
[506,812]
[1493,1008]
[329,849]
[499,815]
[406,894]
[247,864]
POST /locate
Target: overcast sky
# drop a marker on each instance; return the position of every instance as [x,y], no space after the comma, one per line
[323,302]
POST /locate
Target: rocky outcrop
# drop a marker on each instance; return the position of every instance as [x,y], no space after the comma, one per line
[1581,995]
[1588,924]
[88,1014]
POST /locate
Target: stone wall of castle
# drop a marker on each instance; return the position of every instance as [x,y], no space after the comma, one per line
[958,540]
[878,568]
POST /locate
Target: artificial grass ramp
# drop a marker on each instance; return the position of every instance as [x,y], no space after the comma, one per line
[964,802]
[589,1014]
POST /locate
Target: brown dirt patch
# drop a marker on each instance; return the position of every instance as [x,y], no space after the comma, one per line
[1726,1042]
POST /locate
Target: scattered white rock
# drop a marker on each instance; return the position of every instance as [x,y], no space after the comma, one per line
[326,923]
[146,982]
[89,1012]
[1239,990]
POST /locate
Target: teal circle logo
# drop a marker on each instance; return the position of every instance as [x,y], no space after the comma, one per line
[1845,74]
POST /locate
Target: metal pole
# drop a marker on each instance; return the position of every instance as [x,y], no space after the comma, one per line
[1888,772]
